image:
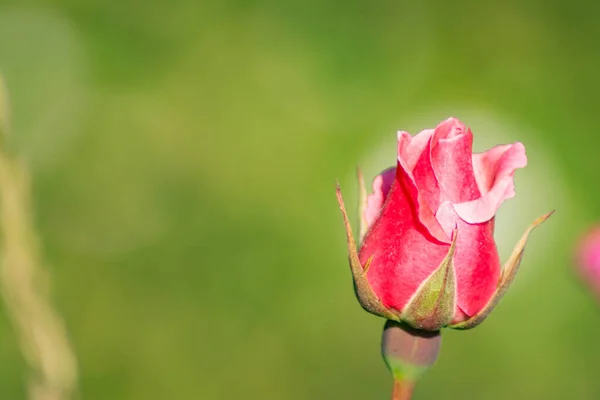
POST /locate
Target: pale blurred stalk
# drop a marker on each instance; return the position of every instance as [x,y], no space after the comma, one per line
[403,390]
[25,285]
[408,353]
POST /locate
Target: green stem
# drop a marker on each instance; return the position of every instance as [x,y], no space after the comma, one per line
[403,389]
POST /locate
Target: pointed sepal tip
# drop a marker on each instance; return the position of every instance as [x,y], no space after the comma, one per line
[433,305]
[364,293]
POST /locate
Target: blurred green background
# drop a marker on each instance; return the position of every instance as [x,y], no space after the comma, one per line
[184,156]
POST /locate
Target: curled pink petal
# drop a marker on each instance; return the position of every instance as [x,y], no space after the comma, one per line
[410,147]
[494,171]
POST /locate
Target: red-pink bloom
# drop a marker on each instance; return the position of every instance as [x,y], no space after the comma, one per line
[588,259]
[429,253]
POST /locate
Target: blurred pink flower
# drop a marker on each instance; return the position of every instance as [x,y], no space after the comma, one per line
[588,259]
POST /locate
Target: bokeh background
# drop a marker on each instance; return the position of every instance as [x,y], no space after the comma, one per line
[184,157]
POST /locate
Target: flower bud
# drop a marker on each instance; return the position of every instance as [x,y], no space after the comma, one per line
[426,253]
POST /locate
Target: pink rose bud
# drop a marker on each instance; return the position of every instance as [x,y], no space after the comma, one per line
[588,259]
[428,257]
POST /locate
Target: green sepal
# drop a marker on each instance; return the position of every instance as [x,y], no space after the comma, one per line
[433,304]
[364,293]
[509,271]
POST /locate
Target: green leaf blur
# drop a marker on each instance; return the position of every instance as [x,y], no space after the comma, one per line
[184,157]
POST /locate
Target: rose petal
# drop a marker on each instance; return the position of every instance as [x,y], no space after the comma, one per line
[413,152]
[494,172]
[425,178]
[401,251]
[449,128]
[476,260]
[497,163]
[381,186]
[410,150]
[410,147]
[451,158]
